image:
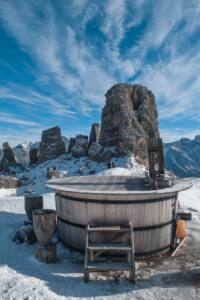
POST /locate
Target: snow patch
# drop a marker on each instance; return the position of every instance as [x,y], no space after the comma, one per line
[7,192]
[117,172]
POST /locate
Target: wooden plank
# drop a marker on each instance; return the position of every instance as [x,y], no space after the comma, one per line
[86,273]
[109,228]
[132,254]
[156,157]
[106,267]
[178,247]
[109,246]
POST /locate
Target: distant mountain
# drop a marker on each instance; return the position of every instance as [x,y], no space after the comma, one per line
[183,157]
[21,151]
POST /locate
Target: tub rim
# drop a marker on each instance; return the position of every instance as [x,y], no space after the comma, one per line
[56,184]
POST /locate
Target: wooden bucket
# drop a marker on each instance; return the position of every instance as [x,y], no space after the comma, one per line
[44,225]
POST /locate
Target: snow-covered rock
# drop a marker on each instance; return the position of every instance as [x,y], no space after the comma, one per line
[21,153]
[80,146]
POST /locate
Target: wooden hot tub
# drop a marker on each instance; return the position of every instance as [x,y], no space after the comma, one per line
[116,200]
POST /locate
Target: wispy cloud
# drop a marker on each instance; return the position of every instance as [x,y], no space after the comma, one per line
[12,119]
[37,36]
[14,136]
[34,99]
[176,85]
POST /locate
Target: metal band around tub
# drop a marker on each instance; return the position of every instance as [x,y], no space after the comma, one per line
[135,229]
[142,228]
[116,201]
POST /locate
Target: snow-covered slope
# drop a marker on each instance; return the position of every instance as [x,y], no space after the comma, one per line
[183,157]
[71,166]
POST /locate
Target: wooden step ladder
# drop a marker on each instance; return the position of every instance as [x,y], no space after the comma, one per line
[94,249]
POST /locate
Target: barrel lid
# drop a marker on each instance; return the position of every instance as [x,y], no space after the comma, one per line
[111,185]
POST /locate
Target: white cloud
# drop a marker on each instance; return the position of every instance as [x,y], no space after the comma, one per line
[76,7]
[39,37]
[175,134]
[12,119]
[93,79]
[33,99]
[15,137]
[176,85]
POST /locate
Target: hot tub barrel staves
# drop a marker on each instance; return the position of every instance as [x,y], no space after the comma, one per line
[103,200]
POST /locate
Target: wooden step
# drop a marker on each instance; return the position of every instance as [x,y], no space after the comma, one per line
[109,246]
[108,229]
[105,267]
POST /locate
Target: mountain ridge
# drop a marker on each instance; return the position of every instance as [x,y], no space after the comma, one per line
[183,157]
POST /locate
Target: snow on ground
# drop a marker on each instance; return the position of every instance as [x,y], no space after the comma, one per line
[23,277]
[191,197]
[115,172]
[9,192]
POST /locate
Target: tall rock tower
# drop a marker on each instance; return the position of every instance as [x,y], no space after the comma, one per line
[8,161]
[129,118]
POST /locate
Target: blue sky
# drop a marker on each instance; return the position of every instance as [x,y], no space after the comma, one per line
[58,59]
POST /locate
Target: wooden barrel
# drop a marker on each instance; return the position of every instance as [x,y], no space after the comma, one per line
[115,203]
[31,203]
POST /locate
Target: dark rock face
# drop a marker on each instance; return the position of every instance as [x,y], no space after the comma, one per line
[24,234]
[94,151]
[129,118]
[95,133]
[107,153]
[71,144]
[33,156]
[80,146]
[1,154]
[51,145]
[8,160]
[183,157]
